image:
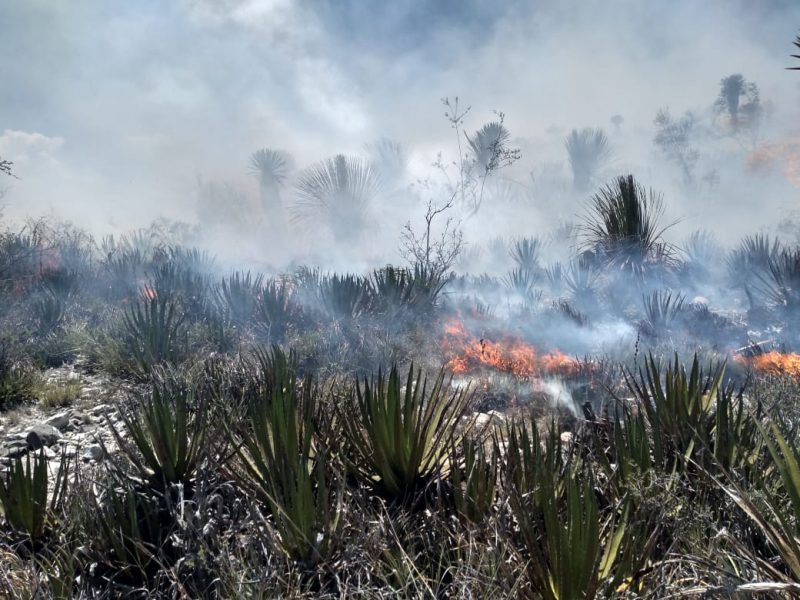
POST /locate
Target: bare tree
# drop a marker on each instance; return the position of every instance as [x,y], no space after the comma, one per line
[674,139]
[435,251]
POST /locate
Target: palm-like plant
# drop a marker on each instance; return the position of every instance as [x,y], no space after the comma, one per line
[733,90]
[275,308]
[525,252]
[390,158]
[400,439]
[661,310]
[487,145]
[340,189]
[588,150]
[272,168]
[752,258]
[797,44]
[622,226]
[473,475]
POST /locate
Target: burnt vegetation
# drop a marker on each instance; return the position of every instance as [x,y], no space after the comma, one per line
[571,418]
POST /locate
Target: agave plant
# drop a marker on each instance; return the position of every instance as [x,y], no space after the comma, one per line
[588,150]
[775,510]
[49,312]
[521,282]
[284,462]
[751,260]
[341,189]
[525,252]
[398,436]
[662,309]
[27,501]
[344,296]
[622,227]
[276,308]
[575,552]
[692,417]
[238,295]
[473,477]
[155,332]
[167,435]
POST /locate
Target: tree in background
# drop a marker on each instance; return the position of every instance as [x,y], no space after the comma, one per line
[5,167]
[340,189]
[272,168]
[797,44]
[674,139]
[589,150]
[739,100]
[391,160]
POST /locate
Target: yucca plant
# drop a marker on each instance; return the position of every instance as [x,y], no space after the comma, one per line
[774,506]
[574,551]
[622,227]
[238,294]
[132,530]
[283,459]
[525,252]
[473,476]
[662,310]
[693,417]
[751,259]
[155,332]
[781,283]
[49,311]
[167,433]
[276,308]
[588,150]
[344,296]
[27,501]
[521,282]
[399,436]
[340,189]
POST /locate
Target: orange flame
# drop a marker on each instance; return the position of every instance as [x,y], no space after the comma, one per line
[785,156]
[467,353]
[775,363]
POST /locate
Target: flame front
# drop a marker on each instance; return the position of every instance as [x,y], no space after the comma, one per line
[776,363]
[466,353]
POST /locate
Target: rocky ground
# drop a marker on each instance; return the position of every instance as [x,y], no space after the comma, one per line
[79,431]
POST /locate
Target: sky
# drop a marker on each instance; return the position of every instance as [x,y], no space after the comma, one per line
[113,111]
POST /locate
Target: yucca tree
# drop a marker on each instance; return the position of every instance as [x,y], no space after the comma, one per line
[526,252]
[750,262]
[391,159]
[271,167]
[588,150]
[622,226]
[339,190]
[487,145]
[399,436]
[736,95]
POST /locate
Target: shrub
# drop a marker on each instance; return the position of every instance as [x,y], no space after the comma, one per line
[399,438]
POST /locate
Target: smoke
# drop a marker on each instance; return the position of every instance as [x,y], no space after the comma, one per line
[116,114]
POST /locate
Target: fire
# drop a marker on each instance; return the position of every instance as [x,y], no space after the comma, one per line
[785,156]
[467,353]
[776,363]
[148,293]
